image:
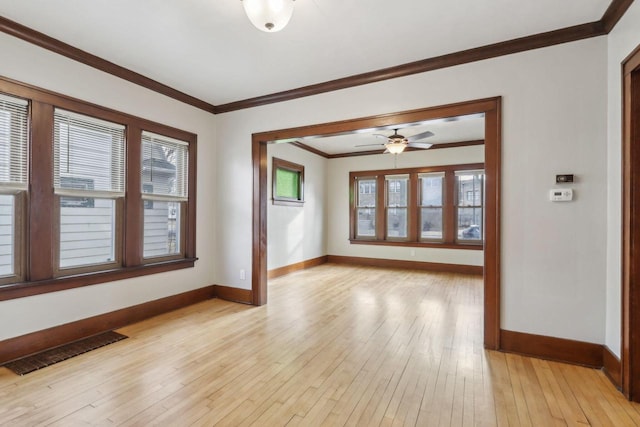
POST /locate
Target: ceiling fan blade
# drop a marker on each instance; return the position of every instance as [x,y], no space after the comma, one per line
[419,136]
[419,145]
[379,135]
[368,145]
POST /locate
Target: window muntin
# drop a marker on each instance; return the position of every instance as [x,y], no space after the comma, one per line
[88,178]
[366,196]
[288,182]
[470,201]
[164,192]
[14,133]
[397,201]
[431,205]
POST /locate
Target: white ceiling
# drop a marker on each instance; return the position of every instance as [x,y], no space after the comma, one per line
[446,131]
[209,50]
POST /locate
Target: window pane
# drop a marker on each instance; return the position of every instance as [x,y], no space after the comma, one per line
[165,165]
[287,184]
[431,220]
[366,192]
[161,228]
[87,231]
[431,190]
[470,189]
[88,153]
[470,223]
[470,197]
[397,191]
[7,228]
[397,222]
[366,222]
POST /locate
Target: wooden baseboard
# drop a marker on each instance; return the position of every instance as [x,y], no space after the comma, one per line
[612,367]
[414,265]
[551,348]
[310,263]
[15,348]
[226,293]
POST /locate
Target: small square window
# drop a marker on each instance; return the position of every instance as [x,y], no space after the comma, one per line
[288,183]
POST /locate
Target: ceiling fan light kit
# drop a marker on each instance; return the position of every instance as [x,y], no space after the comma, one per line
[269,15]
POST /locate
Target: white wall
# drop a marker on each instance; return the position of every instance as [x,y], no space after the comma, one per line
[338,212]
[30,64]
[553,254]
[621,42]
[297,233]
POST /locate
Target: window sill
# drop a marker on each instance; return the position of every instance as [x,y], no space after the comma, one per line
[287,202]
[464,246]
[26,289]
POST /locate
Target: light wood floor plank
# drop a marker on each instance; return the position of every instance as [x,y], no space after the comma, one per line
[335,346]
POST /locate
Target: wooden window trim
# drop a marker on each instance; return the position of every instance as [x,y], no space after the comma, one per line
[449,240]
[290,166]
[40,244]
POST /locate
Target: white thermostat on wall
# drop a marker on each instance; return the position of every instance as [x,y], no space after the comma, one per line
[561,195]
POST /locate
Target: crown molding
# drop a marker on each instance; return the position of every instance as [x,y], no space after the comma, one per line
[612,15]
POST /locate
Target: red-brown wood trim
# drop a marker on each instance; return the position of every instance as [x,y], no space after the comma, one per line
[56,99]
[492,209]
[190,249]
[259,223]
[408,265]
[551,348]
[291,268]
[630,340]
[522,44]
[15,348]
[310,149]
[492,109]
[134,214]
[418,244]
[44,41]
[611,367]
[41,198]
[614,12]
[27,289]
[226,293]
[376,152]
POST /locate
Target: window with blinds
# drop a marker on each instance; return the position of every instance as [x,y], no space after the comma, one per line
[164,173]
[14,132]
[88,178]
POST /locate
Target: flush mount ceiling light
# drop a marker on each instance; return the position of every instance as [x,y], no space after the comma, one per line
[269,15]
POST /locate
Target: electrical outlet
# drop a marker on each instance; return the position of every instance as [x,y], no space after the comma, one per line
[242,275]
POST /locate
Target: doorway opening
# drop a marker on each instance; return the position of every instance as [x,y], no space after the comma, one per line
[491,108]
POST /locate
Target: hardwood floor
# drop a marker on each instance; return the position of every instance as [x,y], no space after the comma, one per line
[336,345]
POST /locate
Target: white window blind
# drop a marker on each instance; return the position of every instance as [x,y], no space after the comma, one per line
[13,142]
[165,167]
[88,156]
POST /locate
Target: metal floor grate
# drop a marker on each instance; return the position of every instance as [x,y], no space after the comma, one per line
[49,357]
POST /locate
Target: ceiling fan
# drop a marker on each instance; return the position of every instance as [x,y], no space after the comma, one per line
[396,143]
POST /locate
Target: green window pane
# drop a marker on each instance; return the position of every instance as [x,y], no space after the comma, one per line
[287,184]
